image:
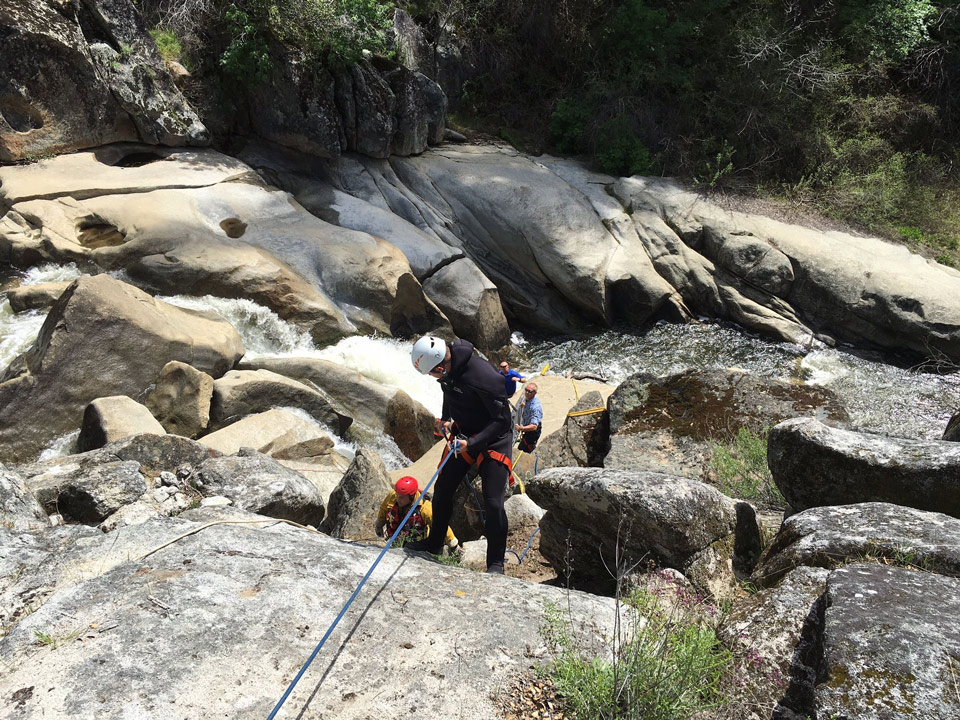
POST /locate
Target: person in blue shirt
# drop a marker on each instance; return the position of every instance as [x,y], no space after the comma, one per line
[531,419]
[510,378]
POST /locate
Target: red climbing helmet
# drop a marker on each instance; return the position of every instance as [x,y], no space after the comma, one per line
[406,486]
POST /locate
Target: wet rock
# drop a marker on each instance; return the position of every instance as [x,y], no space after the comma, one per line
[831,536]
[382,408]
[108,419]
[815,465]
[259,484]
[34,297]
[96,335]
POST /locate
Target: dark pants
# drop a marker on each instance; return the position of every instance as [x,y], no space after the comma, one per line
[529,439]
[493,477]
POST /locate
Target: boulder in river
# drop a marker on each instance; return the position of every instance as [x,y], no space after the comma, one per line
[102,338]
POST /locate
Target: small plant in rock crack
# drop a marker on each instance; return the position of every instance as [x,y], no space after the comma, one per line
[741,468]
[665,665]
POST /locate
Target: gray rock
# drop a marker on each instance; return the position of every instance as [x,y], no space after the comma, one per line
[244,392]
[19,510]
[259,484]
[219,622]
[778,634]
[611,515]
[952,431]
[180,399]
[765,274]
[471,302]
[669,424]
[815,465]
[352,510]
[538,238]
[582,441]
[78,75]
[382,408]
[88,492]
[95,335]
[33,297]
[891,643]
[108,419]
[273,431]
[831,536]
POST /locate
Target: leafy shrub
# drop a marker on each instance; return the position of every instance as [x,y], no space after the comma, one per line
[669,667]
[741,468]
[568,125]
[247,57]
[168,44]
[619,151]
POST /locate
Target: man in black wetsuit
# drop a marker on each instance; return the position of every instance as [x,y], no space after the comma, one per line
[475,407]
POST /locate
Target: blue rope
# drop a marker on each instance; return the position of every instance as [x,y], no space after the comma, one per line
[316,650]
[529,543]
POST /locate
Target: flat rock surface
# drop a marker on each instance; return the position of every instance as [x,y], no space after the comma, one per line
[891,644]
[217,625]
[830,536]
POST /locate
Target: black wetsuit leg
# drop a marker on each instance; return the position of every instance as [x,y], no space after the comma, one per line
[493,476]
[443,492]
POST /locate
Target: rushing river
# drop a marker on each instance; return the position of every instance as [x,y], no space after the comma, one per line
[880,397]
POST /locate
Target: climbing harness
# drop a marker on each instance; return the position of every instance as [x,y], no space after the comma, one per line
[353,597]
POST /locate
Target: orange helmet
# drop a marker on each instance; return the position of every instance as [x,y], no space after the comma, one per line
[406,486]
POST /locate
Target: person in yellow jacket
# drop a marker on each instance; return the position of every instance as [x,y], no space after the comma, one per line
[395,507]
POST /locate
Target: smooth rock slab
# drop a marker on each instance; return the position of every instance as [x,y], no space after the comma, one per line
[271,431]
[217,624]
[891,642]
[830,536]
[815,465]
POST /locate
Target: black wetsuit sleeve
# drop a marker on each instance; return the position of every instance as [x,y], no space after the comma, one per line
[499,414]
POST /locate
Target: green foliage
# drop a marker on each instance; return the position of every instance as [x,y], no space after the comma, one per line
[670,667]
[168,44]
[247,57]
[741,468]
[886,32]
[569,123]
[619,151]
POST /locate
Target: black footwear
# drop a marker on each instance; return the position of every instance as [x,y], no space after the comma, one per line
[495,569]
[423,546]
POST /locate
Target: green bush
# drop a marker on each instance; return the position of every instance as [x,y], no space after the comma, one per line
[741,468]
[619,151]
[168,44]
[569,123]
[247,57]
[671,665]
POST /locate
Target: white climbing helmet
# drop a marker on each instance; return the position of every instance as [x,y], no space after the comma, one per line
[428,352]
